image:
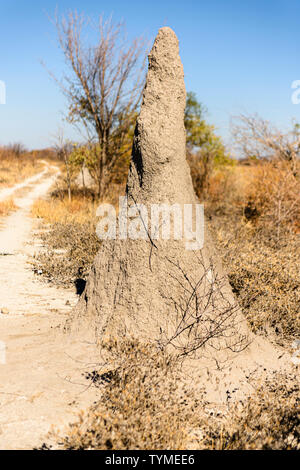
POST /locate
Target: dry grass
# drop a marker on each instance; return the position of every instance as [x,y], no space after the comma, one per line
[6,207]
[260,247]
[70,251]
[71,241]
[263,273]
[274,196]
[141,405]
[269,420]
[267,194]
[77,211]
[14,169]
[145,405]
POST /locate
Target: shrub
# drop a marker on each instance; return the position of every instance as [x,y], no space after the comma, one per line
[142,406]
[254,212]
[263,273]
[269,420]
[60,210]
[71,248]
[145,405]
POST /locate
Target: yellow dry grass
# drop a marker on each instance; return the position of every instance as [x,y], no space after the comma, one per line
[145,405]
[233,183]
[6,207]
[141,406]
[14,169]
[63,211]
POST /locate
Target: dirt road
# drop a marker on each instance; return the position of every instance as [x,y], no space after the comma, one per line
[41,381]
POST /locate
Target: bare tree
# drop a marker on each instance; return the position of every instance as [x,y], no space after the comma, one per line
[103,87]
[256,137]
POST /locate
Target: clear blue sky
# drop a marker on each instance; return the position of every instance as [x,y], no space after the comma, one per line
[238,55]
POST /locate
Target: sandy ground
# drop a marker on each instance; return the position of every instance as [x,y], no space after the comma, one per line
[7,192]
[41,369]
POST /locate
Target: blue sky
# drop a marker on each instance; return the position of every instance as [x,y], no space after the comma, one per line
[238,56]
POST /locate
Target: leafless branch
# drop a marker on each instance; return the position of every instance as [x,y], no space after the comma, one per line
[103,87]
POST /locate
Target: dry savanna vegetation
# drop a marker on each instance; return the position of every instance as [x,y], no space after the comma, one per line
[145,405]
[6,207]
[17,164]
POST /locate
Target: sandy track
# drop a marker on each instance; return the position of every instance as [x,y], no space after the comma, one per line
[7,192]
[41,380]
[21,292]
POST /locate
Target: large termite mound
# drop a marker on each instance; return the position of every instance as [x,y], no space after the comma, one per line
[153,288]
